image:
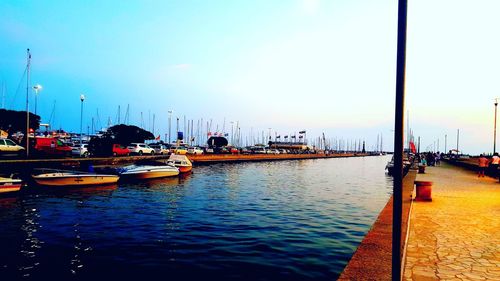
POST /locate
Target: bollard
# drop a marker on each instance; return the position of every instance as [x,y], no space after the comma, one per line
[424,190]
[421,169]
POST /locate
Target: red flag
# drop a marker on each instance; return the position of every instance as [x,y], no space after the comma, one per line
[412,147]
[158,137]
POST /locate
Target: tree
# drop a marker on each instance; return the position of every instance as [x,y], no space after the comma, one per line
[118,134]
[14,121]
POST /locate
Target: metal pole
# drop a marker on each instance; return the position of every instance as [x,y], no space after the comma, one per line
[177,130]
[458,137]
[36,98]
[495,129]
[169,125]
[399,141]
[27,103]
[445,143]
[82,98]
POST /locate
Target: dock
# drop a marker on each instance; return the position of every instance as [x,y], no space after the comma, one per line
[453,237]
[13,165]
[456,235]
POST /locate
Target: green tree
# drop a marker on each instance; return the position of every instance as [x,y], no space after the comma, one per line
[119,134]
[14,121]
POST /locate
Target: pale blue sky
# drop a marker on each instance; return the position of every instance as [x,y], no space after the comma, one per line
[288,65]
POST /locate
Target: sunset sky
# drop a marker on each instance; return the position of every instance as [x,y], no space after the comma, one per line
[323,66]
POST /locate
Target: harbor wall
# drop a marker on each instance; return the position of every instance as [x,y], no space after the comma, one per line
[372,260]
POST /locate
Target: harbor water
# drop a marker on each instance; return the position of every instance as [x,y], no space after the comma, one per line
[284,220]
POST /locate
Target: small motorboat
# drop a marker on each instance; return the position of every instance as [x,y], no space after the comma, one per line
[148,171]
[73,178]
[390,166]
[9,185]
[181,162]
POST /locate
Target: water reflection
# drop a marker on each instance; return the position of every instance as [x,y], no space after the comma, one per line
[31,244]
[287,220]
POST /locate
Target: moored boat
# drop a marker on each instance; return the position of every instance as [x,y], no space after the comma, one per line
[9,185]
[73,178]
[149,171]
[181,162]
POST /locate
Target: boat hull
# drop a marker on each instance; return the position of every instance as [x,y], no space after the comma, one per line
[8,185]
[185,169]
[75,180]
[151,175]
[10,188]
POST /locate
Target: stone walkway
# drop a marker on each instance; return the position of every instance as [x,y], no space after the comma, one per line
[457,235]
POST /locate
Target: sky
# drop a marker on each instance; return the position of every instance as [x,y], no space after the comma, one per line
[289,65]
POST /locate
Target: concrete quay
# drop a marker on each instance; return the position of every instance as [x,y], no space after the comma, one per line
[16,165]
[373,257]
[456,236]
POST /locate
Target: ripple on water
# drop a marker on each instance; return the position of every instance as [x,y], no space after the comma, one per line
[287,220]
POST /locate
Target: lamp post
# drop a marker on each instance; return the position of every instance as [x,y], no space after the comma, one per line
[37,88]
[232,134]
[495,128]
[82,98]
[177,130]
[169,125]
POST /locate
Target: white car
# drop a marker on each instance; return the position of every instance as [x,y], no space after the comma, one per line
[140,148]
[10,147]
[272,151]
[195,150]
[80,150]
[160,149]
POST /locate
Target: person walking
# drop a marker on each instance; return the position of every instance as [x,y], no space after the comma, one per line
[495,160]
[483,164]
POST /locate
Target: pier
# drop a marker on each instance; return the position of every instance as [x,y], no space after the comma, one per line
[456,236]
[23,164]
[453,237]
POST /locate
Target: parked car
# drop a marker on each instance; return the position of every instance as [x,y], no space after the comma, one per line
[274,151]
[245,150]
[8,147]
[283,151]
[195,150]
[119,150]
[208,150]
[259,150]
[50,147]
[140,148]
[160,149]
[234,150]
[80,150]
[180,150]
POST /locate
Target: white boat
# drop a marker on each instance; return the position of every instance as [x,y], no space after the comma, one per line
[149,171]
[9,185]
[181,162]
[73,178]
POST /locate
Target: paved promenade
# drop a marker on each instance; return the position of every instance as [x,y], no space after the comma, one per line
[457,235]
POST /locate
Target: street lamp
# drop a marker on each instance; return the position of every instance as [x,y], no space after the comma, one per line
[169,124]
[82,98]
[232,134]
[495,128]
[37,88]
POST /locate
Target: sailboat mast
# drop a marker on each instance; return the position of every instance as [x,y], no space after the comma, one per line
[27,102]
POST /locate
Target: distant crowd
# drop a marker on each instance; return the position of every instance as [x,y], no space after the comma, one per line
[430,158]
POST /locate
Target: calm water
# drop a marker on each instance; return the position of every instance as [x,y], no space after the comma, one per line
[288,220]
